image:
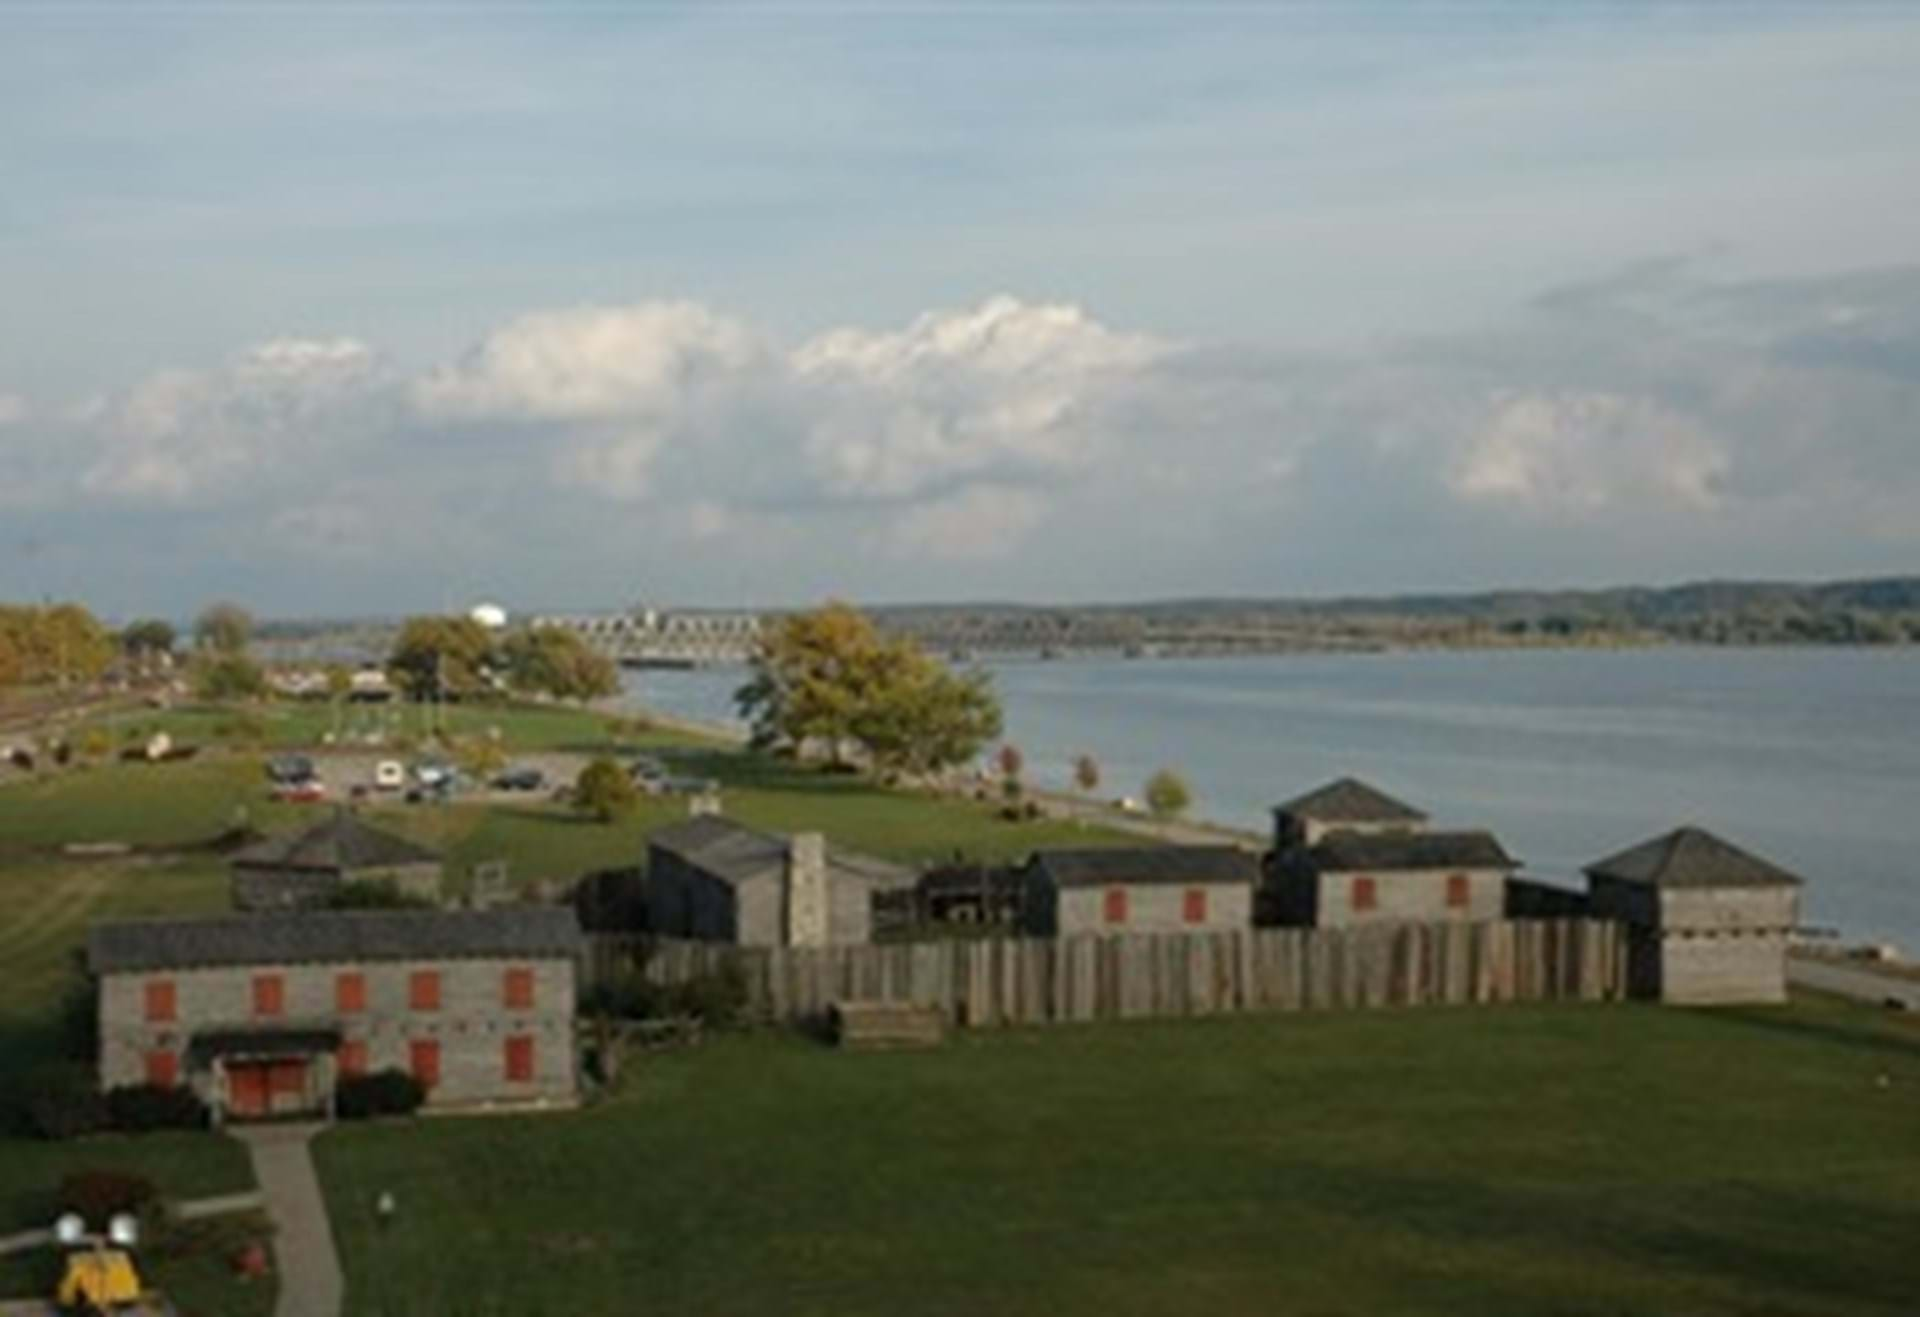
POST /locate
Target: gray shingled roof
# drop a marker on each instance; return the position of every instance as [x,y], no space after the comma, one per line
[1349,800]
[339,841]
[1343,852]
[1125,865]
[735,853]
[135,945]
[1691,857]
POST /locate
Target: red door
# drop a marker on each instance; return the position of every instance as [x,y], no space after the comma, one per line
[247,1090]
[287,1086]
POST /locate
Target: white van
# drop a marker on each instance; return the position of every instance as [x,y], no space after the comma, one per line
[389,775]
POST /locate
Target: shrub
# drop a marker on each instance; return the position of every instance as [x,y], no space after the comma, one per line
[717,999]
[140,1108]
[1167,794]
[61,1101]
[99,1195]
[382,1093]
[604,790]
[374,894]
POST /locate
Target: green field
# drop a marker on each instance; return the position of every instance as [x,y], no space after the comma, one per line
[1570,1160]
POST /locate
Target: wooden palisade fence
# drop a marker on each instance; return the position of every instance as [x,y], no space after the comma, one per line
[1011,981]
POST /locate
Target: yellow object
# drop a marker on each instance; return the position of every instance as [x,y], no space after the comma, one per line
[99,1278]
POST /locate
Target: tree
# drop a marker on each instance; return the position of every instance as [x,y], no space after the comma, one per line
[56,644]
[1167,794]
[1010,762]
[1086,773]
[224,629]
[811,672]
[829,679]
[604,791]
[221,677]
[437,657]
[148,640]
[554,661]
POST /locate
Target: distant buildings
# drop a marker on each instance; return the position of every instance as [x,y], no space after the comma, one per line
[712,879]
[1708,923]
[305,870]
[1347,853]
[1139,889]
[264,1015]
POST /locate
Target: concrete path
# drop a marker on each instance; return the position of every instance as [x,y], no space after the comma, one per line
[1858,982]
[311,1284]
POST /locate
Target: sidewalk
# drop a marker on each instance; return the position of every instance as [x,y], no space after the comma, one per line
[311,1284]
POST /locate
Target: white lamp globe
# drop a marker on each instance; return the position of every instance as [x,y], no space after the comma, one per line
[69,1229]
[123,1230]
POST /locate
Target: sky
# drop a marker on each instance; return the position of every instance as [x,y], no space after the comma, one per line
[356,308]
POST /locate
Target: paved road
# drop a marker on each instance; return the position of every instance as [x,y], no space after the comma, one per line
[311,1284]
[1859,983]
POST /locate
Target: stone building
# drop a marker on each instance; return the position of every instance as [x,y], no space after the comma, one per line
[1349,877]
[712,879]
[303,870]
[1139,889]
[1346,805]
[263,1014]
[1707,922]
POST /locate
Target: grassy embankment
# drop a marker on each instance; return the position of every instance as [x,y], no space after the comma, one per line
[1522,1160]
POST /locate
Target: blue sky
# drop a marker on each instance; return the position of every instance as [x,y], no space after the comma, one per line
[319,305]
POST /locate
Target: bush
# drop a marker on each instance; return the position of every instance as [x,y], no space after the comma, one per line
[717,999]
[604,790]
[374,894]
[382,1093]
[141,1108]
[61,1101]
[99,1195]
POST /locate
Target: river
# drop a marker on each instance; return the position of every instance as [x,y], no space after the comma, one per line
[1810,757]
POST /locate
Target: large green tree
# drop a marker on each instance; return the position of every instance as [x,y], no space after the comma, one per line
[828,679]
[55,644]
[555,661]
[148,639]
[224,629]
[439,657]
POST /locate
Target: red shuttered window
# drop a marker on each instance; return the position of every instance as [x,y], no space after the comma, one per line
[269,995]
[423,990]
[350,993]
[1457,891]
[1193,907]
[423,1058]
[163,1069]
[517,989]
[1116,905]
[353,1059]
[162,1001]
[519,1059]
[1366,894]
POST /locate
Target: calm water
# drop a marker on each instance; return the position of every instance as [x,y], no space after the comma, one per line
[1811,757]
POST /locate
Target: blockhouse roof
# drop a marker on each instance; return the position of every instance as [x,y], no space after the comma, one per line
[1349,800]
[339,841]
[1126,865]
[1343,852]
[1691,857]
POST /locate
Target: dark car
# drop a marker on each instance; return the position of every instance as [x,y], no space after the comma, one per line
[520,779]
[290,770]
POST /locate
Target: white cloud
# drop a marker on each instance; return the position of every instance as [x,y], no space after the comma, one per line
[181,434]
[1005,387]
[1583,453]
[13,409]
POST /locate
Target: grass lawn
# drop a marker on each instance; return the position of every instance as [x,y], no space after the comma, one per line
[1569,1160]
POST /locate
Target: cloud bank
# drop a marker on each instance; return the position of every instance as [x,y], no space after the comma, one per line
[1656,423]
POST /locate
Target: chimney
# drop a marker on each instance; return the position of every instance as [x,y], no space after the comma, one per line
[807,911]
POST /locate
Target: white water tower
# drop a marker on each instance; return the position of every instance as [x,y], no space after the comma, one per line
[491,616]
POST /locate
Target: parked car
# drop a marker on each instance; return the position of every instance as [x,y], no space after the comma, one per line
[520,779]
[645,770]
[284,769]
[308,791]
[389,775]
[433,773]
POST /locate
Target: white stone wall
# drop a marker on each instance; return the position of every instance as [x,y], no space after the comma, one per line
[471,1025]
[1724,968]
[1410,896]
[1153,908]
